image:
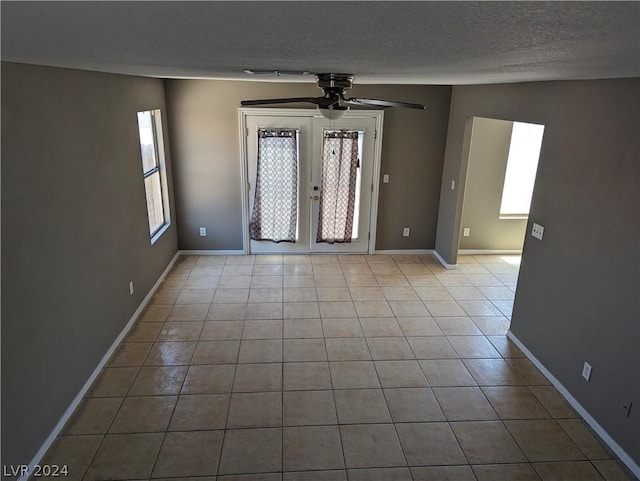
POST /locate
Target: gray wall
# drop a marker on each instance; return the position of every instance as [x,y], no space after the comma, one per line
[578,291]
[488,154]
[74,233]
[203,116]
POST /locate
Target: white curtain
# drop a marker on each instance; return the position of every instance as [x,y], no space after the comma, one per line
[275,206]
[338,194]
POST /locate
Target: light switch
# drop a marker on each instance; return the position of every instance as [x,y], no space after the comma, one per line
[385,179]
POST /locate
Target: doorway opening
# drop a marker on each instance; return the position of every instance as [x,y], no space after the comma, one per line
[501,170]
[310,184]
[500,179]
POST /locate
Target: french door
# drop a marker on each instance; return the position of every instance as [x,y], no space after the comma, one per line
[311,182]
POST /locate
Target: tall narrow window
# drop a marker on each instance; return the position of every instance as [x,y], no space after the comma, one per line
[154,171]
[522,164]
[340,162]
[275,205]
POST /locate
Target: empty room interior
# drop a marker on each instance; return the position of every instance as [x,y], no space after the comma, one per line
[320,241]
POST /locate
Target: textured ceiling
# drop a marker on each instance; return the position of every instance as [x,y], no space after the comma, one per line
[380,42]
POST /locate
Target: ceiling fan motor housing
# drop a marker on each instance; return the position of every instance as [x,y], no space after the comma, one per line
[334,82]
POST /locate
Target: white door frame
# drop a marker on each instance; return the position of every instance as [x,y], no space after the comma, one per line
[244,112]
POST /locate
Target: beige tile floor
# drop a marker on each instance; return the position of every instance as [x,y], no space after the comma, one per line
[329,368]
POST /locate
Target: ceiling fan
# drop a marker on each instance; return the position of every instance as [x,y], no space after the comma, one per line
[334,104]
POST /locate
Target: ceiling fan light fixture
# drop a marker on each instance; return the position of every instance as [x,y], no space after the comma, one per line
[334,112]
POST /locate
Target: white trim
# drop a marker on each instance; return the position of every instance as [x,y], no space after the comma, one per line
[443,262]
[243,113]
[244,182]
[156,115]
[211,252]
[405,251]
[504,252]
[161,231]
[377,161]
[617,449]
[87,385]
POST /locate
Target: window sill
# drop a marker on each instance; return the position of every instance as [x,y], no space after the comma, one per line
[514,217]
[158,234]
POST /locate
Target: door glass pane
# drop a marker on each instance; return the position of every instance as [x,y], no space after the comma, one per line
[275,206]
[340,162]
[356,207]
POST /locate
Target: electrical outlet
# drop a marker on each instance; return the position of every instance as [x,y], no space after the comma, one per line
[203,232]
[586,371]
[131,288]
[466,232]
[406,231]
[385,179]
[537,231]
[453,185]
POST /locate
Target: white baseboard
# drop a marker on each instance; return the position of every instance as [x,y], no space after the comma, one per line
[196,252]
[241,252]
[445,264]
[405,251]
[87,385]
[498,252]
[615,447]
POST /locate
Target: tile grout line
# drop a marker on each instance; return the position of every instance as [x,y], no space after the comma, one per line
[226,422]
[333,393]
[395,428]
[166,431]
[191,363]
[282,453]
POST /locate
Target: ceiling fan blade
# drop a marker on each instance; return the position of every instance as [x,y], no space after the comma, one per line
[384,103]
[275,72]
[292,100]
